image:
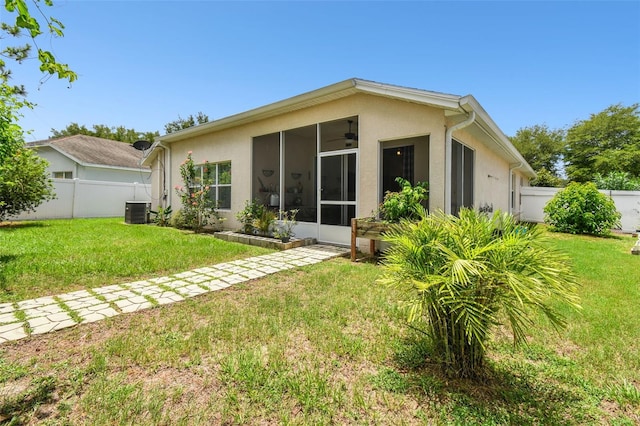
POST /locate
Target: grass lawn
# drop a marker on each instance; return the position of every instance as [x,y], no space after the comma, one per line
[324,344]
[57,256]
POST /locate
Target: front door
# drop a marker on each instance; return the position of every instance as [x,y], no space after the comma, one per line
[337,195]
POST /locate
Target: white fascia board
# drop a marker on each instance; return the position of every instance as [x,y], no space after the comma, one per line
[103,166]
[469,103]
[440,100]
[333,91]
[150,155]
[318,96]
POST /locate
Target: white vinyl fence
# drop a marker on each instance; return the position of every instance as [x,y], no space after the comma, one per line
[627,203]
[76,198]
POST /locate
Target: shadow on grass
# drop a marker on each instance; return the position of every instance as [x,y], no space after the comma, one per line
[14,226]
[4,261]
[508,393]
[15,408]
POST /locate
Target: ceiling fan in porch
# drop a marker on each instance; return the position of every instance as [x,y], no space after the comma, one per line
[349,137]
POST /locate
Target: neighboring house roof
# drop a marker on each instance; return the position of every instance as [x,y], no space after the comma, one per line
[92,151]
[452,105]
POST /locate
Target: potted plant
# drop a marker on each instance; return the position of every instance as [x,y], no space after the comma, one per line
[285,229]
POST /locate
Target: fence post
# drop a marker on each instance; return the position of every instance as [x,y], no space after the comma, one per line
[76,182]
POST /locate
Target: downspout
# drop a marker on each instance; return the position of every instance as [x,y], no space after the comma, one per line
[165,192]
[447,158]
[511,189]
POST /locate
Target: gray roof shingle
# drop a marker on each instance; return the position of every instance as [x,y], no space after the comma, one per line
[96,151]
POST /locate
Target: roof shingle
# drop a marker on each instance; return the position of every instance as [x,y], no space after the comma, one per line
[95,151]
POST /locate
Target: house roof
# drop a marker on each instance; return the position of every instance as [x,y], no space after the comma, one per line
[453,105]
[93,151]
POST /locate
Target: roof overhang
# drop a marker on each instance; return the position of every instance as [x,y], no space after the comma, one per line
[316,97]
[503,145]
[451,104]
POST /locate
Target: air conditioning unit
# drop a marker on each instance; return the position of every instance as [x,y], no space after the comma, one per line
[136,212]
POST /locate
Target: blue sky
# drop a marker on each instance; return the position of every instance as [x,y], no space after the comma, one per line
[142,64]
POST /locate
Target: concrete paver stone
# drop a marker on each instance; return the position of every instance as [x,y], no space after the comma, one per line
[47,314]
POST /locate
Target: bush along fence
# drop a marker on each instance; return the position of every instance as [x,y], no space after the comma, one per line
[627,203]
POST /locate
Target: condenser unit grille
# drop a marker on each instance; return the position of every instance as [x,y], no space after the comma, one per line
[136,212]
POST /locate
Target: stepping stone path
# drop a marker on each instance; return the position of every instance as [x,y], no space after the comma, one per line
[51,313]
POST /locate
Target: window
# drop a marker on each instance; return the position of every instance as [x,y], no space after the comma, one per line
[218,176]
[62,175]
[462,170]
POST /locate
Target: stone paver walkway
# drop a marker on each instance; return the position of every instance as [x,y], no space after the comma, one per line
[50,313]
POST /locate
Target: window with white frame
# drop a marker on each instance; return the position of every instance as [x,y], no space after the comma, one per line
[218,176]
[62,175]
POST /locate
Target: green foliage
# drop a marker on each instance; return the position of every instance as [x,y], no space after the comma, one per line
[178,220]
[162,216]
[23,20]
[541,147]
[546,179]
[248,215]
[265,221]
[23,181]
[288,220]
[185,123]
[406,204]
[24,184]
[461,276]
[119,133]
[617,181]
[607,142]
[582,209]
[198,208]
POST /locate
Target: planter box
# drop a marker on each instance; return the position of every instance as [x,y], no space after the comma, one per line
[366,227]
[256,240]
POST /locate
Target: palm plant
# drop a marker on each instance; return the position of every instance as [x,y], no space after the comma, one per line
[464,275]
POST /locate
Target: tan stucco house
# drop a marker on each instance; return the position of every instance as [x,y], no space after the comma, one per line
[333,152]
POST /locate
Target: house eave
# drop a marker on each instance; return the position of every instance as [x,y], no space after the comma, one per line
[319,96]
[483,121]
[451,104]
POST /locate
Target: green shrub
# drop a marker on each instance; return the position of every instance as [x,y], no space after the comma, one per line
[406,204]
[248,215]
[581,209]
[461,276]
[178,220]
[617,181]
[162,215]
[264,223]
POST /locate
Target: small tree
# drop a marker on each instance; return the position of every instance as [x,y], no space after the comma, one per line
[581,209]
[461,276]
[617,181]
[608,141]
[24,184]
[546,179]
[198,208]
